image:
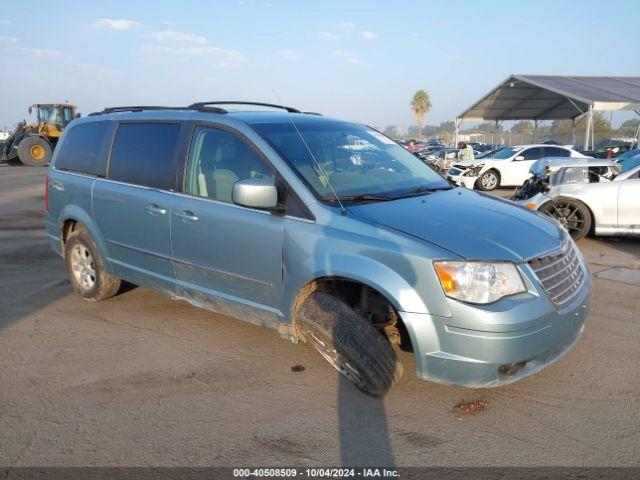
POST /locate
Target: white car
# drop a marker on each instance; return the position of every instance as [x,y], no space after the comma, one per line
[585,195]
[507,167]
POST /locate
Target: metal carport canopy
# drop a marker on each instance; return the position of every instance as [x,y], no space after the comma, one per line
[554,97]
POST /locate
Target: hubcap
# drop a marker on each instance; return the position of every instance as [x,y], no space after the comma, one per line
[489,180]
[37,152]
[328,351]
[82,267]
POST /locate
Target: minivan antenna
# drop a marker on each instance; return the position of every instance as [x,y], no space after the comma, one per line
[320,169]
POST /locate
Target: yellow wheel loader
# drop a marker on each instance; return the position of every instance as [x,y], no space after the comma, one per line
[33,144]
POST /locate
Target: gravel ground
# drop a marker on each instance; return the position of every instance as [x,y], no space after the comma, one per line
[142,379]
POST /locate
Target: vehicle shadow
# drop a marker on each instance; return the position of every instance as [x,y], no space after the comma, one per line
[365,440]
[626,245]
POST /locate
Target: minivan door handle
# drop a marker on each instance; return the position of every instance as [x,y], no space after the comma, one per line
[154,209]
[187,215]
[57,185]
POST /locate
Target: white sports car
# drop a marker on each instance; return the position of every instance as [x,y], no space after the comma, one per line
[585,195]
[507,167]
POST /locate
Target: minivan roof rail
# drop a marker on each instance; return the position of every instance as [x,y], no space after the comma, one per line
[140,108]
[206,105]
[201,106]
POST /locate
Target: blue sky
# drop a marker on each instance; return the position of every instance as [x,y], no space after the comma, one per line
[352,59]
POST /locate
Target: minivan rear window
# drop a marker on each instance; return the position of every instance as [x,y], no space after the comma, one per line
[145,154]
[81,150]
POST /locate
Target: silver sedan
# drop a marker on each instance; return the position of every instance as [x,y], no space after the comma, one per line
[585,195]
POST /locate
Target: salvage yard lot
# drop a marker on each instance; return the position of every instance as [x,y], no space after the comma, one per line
[142,379]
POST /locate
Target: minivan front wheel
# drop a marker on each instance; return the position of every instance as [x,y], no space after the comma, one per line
[350,343]
[85,268]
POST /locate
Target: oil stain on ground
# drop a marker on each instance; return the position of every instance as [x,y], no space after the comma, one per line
[470,407]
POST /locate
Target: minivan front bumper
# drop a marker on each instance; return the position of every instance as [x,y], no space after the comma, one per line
[496,356]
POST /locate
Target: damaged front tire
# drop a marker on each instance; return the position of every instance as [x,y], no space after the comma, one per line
[350,343]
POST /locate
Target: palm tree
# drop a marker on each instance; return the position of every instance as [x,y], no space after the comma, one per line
[421,104]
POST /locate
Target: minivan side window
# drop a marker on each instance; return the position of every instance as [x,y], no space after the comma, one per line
[217,160]
[81,149]
[146,154]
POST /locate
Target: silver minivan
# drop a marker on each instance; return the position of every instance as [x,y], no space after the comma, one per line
[326,231]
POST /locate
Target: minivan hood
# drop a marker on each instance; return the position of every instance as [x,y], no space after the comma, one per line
[469,224]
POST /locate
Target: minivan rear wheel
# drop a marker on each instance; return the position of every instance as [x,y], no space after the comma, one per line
[85,268]
[349,343]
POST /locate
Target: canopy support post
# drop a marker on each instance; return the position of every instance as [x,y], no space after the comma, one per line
[535,131]
[456,132]
[588,128]
[638,130]
[496,132]
[573,131]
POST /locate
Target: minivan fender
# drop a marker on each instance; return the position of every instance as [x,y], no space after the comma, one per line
[364,270]
[73,212]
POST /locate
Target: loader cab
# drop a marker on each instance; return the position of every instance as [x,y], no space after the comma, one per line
[59,115]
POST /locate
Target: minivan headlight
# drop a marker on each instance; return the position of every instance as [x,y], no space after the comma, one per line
[479,282]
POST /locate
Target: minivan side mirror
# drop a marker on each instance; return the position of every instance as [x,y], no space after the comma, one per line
[78,115]
[256,193]
[519,157]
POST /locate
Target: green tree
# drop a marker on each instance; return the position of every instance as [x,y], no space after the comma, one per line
[391,131]
[561,129]
[448,126]
[522,127]
[628,128]
[420,104]
[488,127]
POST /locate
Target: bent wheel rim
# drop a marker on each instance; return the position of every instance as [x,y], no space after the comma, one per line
[569,216]
[489,180]
[37,152]
[335,358]
[83,268]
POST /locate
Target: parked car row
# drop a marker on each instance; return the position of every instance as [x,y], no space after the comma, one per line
[506,167]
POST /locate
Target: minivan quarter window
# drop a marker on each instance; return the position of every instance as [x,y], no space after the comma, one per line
[146,154]
[218,159]
[83,148]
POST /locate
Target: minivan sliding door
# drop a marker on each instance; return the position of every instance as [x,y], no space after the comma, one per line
[133,206]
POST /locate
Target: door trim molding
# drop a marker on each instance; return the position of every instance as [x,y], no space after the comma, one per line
[221,273]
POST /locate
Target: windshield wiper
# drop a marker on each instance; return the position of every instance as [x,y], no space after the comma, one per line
[422,191]
[362,197]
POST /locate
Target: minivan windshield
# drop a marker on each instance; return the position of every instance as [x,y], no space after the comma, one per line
[354,161]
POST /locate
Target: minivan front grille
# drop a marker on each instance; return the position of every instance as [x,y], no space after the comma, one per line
[560,273]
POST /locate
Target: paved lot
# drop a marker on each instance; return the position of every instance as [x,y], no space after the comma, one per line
[142,379]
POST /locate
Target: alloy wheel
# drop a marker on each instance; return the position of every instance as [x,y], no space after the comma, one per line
[569,216]
[83,267]
[329,352]
[489,181]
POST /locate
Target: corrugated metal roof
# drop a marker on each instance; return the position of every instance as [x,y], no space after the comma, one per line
[550,97]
